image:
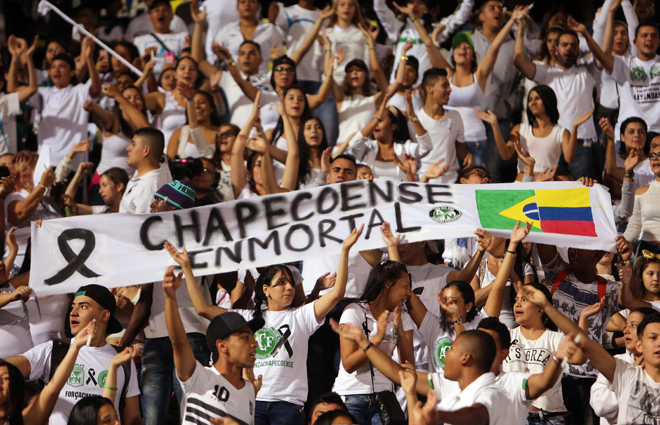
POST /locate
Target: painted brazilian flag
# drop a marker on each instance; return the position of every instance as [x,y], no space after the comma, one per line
[562,211]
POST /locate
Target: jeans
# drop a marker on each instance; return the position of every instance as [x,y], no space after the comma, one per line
[364,408]
[577,392]
[479,151]
[326,112]
[158,375]
[536,418]
[494,159]
[278,413]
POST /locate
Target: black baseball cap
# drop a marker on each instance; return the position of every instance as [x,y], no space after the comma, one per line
[226,324]
[357,62]
[104,297]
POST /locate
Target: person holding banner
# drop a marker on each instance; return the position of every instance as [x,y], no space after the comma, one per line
[282,343]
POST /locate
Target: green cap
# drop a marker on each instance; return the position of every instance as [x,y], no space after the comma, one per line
[461,37]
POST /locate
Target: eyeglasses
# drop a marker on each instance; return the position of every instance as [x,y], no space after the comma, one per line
[654,155]
[283,69]
[481,174]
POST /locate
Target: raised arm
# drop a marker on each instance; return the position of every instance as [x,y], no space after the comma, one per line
[135,116]
[140,315]
[309,40]
[18,211]
[316,100]
[525,66]
[201,307]
[108,121]
[197,44]
[374,63]
[494,302]
[327,302]
[110,385]
[247,87]
[238,179]
[435,57]
[88,53]
[39,411]
[505,149]
[470,269]
[292,163]
[20,52]
[569,140]
[599,357]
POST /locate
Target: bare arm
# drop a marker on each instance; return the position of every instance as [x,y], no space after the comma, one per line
[308,42]
[140,315]
[605,59]
[238,178]
[488,62]
[470,269]
[135,116]
[88,53]
[18,211]
[525,66]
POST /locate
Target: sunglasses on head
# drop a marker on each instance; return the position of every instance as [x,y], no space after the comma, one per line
[283,69]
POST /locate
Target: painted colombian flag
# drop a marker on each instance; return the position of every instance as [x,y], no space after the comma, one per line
[562,211]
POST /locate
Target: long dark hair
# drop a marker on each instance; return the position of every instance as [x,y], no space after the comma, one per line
[384,273]
[217,155]
[366,85]
[641,264]
[266,278]
[304,170]
[401,133]
[549,324]
[549,100]
[215,118]
[15,396]
[307,112]
[544,53]
[86,411]
[468,296]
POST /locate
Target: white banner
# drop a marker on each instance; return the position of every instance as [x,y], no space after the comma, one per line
[123,249]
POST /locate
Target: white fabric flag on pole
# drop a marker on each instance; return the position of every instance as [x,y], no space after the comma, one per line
[124,249]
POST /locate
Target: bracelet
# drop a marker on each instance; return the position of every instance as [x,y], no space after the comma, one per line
[459,320]
[108,387]
[371,344]
[44,187]
[377,119]
[231,62]
[556,360]
[511,252]
[414,118]
[413,19]
[629,175]
[404,58]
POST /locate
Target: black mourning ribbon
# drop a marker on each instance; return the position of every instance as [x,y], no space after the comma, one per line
[284,341]
[76,261]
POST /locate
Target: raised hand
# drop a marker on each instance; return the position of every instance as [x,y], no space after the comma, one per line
[518,234]
[566,348]
[256,108]
[111,90]
[325,160]
[257,144]
[484,239]
[634,157]
[128,354]
[48,177]
[187,90]
[593,309]
[525,157]
[87,50]
[81,338]
[468,161]
[405,165]
[220,51]
[248,375]
[487,116]
[81,147]
[388,236]
[85,168]
[576,26]
[326,281]
[22,293]
[171,282]
[181,258]
[533,295]
[348,331]
[197,13]
[583,118]
[607,128]
[625,272]
[435,170]
[519,12]
[406,47]
[30,51]
[327,12]
[624,248]
[353,237]
[383,319]
[546,175]
[426,415]
[447,308]
[276,52]
[16,46]
[10,240]
[406,10]
[408,378]
[437,30]
[368,35]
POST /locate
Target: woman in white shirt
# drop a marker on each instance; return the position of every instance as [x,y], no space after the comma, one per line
[533,345]
[197,138]
[224,143]
[543,138]
[390,130]
[282,342]
[312,144]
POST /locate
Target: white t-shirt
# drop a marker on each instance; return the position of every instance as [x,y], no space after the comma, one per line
[639,90]
[209,395]
[140,192]
[47,317]
[14,326]
[573,88]
[219,13]
[239,105]
[439,336]
[485,391]
[87,378]
[532,356]
[444,132]
[9,108]
[638,394]
[63,119]
[360,381]
[141,25]
[175,41]
[296,22]
[192,322]
[282,352]
[358,272]
[602,399]
[427,281]
[266,35]
[572,296]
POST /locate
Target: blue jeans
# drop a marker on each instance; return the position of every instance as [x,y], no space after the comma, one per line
[326,112]
[479,151]
[278,413]
[494,159]
[364,408]
[158,375]
[536,418]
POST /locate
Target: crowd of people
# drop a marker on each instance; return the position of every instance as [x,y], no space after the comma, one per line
[229,105]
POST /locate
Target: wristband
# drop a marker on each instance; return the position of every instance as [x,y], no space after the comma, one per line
[371,344]
[44,187]
[108,387]
[231,62]
[511,252]
[377,119]
[413,19]
[404,58]
[414,118]
[629,175]
[556,360]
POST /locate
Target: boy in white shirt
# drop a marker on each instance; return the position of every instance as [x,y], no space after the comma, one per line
[444,126]
[144,155]
[63,118]
[221,390]
[162,38]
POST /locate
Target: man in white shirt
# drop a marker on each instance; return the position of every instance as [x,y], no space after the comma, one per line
[444,126]
[141,24]
[637,387]
[63,118]
[573,84]
[144,155]
[162,38]
[220,390]
[91,302]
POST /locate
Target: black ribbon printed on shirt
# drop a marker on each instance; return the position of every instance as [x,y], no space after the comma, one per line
[284,341]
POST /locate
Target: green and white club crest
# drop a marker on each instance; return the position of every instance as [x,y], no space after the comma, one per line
[267,339]
[442,345]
